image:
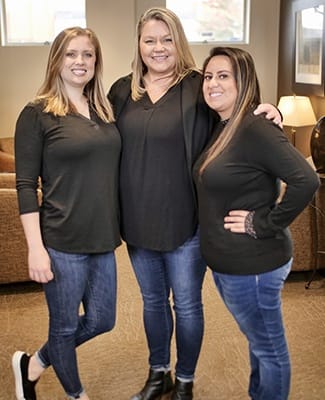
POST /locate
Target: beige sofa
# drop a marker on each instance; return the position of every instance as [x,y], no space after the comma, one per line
[308,232]
[303,232]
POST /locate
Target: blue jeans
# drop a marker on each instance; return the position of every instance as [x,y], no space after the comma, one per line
[255,303]
[87,279]
[182,272]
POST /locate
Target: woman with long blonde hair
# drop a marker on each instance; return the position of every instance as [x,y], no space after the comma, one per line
[66,138]
[164,124]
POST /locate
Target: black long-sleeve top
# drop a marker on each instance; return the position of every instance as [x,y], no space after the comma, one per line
[245,176]
[77,160]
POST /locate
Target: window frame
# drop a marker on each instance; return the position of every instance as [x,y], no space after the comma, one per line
[4,31]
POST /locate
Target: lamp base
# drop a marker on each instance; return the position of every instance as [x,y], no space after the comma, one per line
[293,136]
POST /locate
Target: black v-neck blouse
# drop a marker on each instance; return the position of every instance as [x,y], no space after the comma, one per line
[157,204]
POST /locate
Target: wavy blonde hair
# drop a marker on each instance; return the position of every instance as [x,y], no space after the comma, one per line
[248,97]
[53,92]
[185,62]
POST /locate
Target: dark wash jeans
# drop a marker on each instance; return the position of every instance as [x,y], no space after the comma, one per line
[87,279]
[181,272]
[255,303]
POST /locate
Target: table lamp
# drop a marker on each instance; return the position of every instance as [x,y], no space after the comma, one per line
[297,111]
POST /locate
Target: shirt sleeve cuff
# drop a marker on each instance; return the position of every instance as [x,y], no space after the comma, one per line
[249,227]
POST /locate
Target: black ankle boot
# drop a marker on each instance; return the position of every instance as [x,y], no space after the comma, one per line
[157,384]
[182,390]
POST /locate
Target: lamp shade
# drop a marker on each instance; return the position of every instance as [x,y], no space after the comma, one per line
[296,111]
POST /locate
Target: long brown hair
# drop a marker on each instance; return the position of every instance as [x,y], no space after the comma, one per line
[53,93]
[248,97]
[185,62]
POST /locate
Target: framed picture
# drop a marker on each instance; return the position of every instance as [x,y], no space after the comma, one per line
[309,51]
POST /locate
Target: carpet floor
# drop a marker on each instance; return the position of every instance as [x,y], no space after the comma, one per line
[113,366]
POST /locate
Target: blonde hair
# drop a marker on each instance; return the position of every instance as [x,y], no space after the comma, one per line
[53,93]
[185,62]
[248,96]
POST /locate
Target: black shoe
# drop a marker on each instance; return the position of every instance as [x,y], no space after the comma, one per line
[158,384]
[25,389]
[182,390]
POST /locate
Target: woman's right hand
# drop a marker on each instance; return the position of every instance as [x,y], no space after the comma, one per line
[39,262]
[39,265]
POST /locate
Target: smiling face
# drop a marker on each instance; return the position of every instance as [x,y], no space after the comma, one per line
[219,86]
[157,49]
[78,66]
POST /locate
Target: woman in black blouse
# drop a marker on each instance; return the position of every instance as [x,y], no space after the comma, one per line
[67,138]
[243,227]
[164,124]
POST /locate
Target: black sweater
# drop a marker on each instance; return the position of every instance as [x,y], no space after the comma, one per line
[245,176]
[77,160]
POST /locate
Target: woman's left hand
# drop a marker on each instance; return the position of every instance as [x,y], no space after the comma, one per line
[271,113]
[235,221]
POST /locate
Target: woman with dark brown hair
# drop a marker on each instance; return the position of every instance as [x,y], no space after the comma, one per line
[244,232]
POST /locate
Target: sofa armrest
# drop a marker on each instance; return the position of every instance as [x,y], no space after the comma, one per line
[7,180]
[7,162]
[13,247]
[304,236]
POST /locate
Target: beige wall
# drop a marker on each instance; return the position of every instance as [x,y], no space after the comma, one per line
[22,68]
